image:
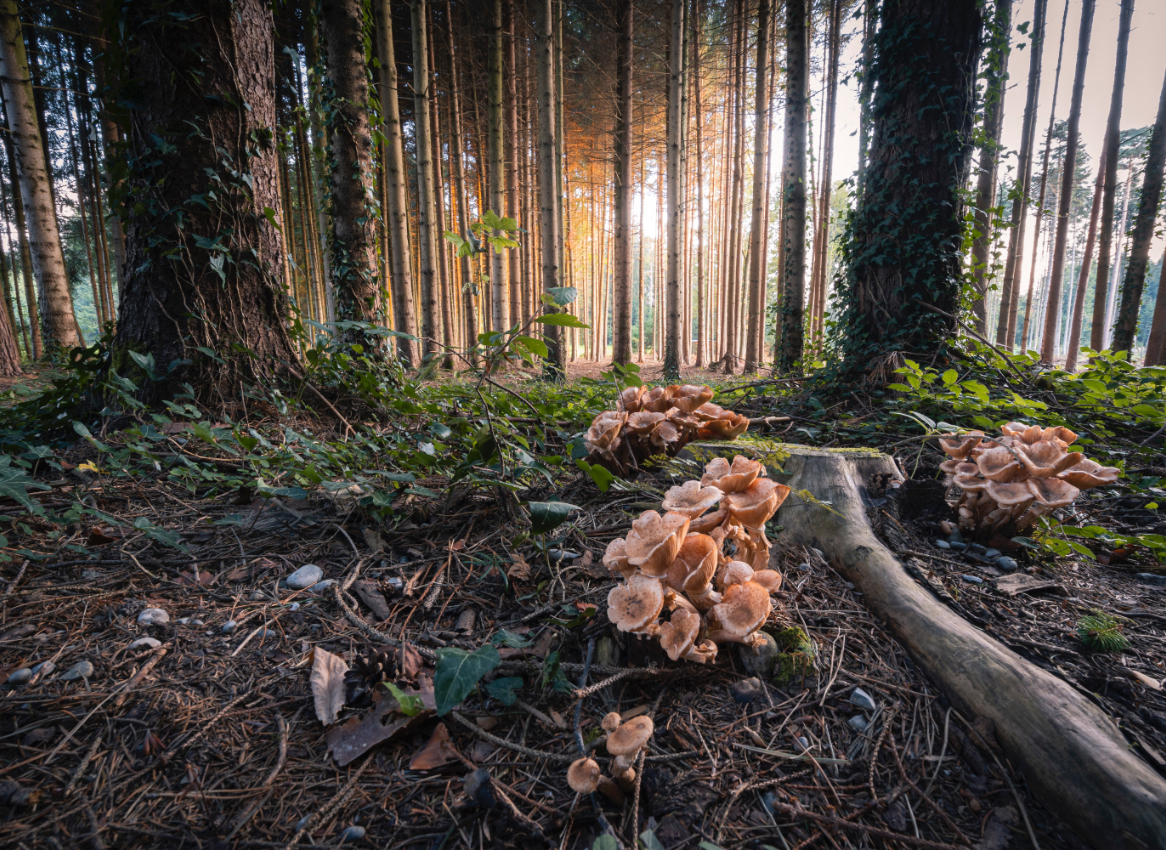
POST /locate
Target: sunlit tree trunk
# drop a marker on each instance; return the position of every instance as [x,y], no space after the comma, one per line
[622,150]
[1098,332]
[514,271]
[1068,172]
[1010,289]
[822,232]
[760,224]
[499,314]
[548,154]
[1083,273]
[701,231]
[427,224]
[1156,344]
[459,180]
[737,196]
[675,117]
[793,202]
[319,141]
[1125,327]
[58,324]
[9,351]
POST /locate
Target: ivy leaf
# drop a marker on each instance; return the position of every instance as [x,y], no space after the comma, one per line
[14,484]
[411,706]
[547,516]
[270,213]
[601,476]
[458,672]
[563,295]
[504,689]
[537,346]
[166,538]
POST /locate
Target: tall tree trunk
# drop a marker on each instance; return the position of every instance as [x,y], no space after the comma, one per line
[760,224]
[427,223]
[1083,274]
[514,256]
[906,236]
[498,267]
[675,115]
[1115,273]
[869,25]
[1097,333]
[793,202]
[819,271]
[1068,172]
[1125,328]
[319,143]
[698,111]
[640,265]
[110,137]
[23,251]
[447,335]
[622,150]
[397,214]
[9,351]
[459,180]
[1156,344]
[224,294]
[355,282]
[1010,291]
[996,74]
[548,155]
[58,324]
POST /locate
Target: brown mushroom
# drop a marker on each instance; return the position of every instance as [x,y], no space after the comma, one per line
[1014,496]
[1089,473]
[643,422]
[753,506]
[727,426]
[634,605]
[968,482]
[999,464]
[740,613]
[659,399]
[1059,434]
[734,572]
[616,558]
[1052,492]
[585,776]
[631,399]
[604,431]
[691,499]
[690,397]
[706,523]
[959,447]
[678,639]
[692,570]
[654,540]
[1046,459]
[626,741]
[730,478]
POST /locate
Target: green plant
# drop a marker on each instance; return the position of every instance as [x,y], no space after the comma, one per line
[1102,632]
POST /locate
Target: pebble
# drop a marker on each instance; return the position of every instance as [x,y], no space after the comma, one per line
[145,643]
[352,833]
[395,584]
[321,586]
[862,699]
[973,579]
[858,723]
[81,670]
[556,555]
[302,822]
[19,677]
[189,621]
[229,627]
[942,544]
[1152,579]
[91,575]
[991,553]
[1007,564]
[977,549]
[805,743]
[295,606]
[747,690]
[804,568]
[769,799]
[153,617]
[958,547]
[479,788]
[955,536]
[269,633]
[305,577]
[46,666]
[760,662]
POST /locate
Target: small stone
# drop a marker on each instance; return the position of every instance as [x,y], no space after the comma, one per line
[760,662]
[1007,564]
[145,643]
[46,667]
[955,536]
[1152,579]
[850,585]
[395,584]
[352,833]
[804,568]
[973,579]
[977,549]
[229,627]
[19,677]
[153,617]
[320,587]
[862,699]
[91,575]
[302,822]
[305,577]
[269,633]
[557,555]
[858,723]
[81,670]
[804,742]
[991,554]
[958,547]
[295,606]
[942,544]
[747,690]
[480,789]
[768,799]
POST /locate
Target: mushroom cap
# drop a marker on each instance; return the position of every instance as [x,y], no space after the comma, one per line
[708,522]
[999,464]
[583,775]
[616,558]
[727,426]
[689,397]
[730,478]
[1089,473]
[659,399]
[959,447]
[741,612]
[1013,429]
[707,412]
[642,422]
[691,499]
[604,430]
[753,506]
[734,572]
[1010,495]
[630,736]
[969,482]
[634,605]
[631,399]
[1046,459]
[704,652]
[695,563]
[611,721]
[769,579]
[1052,492]
[678,635]
[654,540]
[1059,434]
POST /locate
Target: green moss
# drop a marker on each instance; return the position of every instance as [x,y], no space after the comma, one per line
[797,654]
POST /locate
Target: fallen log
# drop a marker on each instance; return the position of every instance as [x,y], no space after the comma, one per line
[1071,753]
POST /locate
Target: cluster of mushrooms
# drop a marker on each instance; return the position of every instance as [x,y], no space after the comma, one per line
[1005,484]
[661,420]
[705,559]
[624,741]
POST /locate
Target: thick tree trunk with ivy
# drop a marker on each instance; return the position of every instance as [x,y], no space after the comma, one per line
[676,56]
[351,184]
[790,340]
[396,190]
[759,232]
[1156,344]
[622,201]
[548,154]
[1125,326]
[58,323]
[204,261]
[903,248]
[995,75]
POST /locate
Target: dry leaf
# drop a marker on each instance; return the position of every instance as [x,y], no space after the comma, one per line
[358,735]
[101,536]
[327,683]
[458,545]
[519,568]
[204,579]
[1144,679]
[437,751]
[410,663]
[374,540]
[559,721]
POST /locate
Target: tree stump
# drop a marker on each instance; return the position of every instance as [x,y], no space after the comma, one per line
[1071,753]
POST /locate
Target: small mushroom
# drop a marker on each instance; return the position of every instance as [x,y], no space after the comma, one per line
[654,540]
[969,483]
[707,412]
[1046,459]
[691,499]
[690,397]
[634,605]
[585,776]
[740,613]
[959,447]
[1089,473]
[678,639]
[730,479]
[1059,434]
[616,558]
[603,434]
[734,572]
[753,506]
[631,399]
[659,399]
[727,426]
[706,523]
[999,464]
[1053,492]
[643,422]
[692,571]
[625,742]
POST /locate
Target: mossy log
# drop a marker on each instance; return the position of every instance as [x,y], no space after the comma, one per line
[1072,754]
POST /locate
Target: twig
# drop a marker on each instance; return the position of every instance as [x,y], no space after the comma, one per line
[798,811]
[369,632]
[8,590]
[330,809]
[510,745]
[931,803]
[1011,787]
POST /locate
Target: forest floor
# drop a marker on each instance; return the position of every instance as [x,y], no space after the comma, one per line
[206,736]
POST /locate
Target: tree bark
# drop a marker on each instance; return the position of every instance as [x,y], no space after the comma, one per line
[427,224]
[675,127]
[1125,328]
[199,276]
[760,225]
[9,351]
[997,75]
[499,313]
[459,181]
[793,201]
[819,271]
[319,141]
[622,150]
[702,344]
[1083,274]
[21,255]
[1068,172]
[58,324]
[1010,292]
[510,108]
[1156,344]
[1097,333]
[548,155]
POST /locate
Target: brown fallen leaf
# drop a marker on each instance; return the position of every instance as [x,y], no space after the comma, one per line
[519,568]
[100,536]
[437,751]
[458,545]
[327,682]
[410,663]
[204,579]
[249,571]
[355,737]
